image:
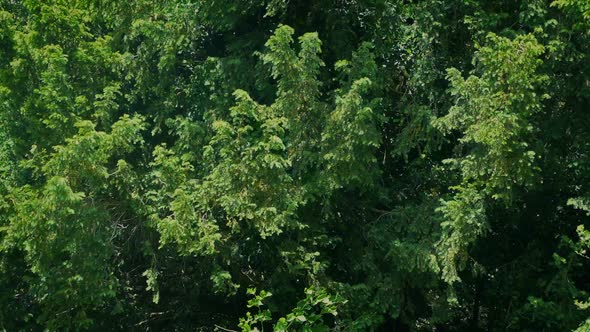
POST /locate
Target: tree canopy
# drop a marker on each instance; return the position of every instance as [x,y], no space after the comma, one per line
[303,165]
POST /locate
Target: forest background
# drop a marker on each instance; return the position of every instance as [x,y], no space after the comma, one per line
[334,165]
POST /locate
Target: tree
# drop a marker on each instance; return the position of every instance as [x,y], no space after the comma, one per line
[375,165]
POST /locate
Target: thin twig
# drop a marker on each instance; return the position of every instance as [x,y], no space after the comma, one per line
[224,329]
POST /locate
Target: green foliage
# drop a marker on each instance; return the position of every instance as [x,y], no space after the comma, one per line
[306,316]
[493,112]
[426,161]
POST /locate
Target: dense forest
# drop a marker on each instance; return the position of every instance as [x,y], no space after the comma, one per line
[295,165]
